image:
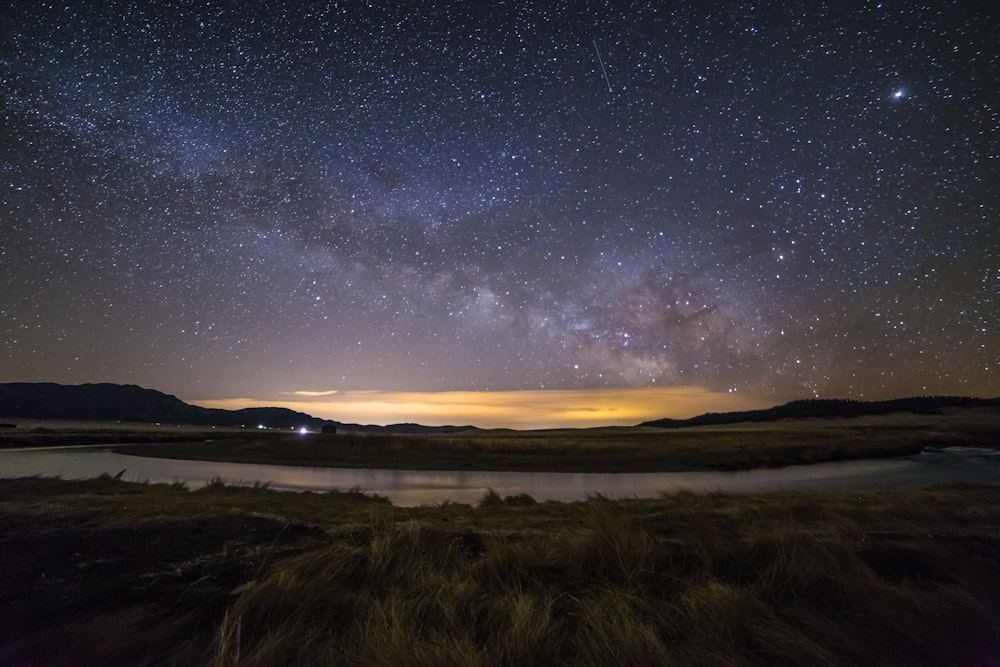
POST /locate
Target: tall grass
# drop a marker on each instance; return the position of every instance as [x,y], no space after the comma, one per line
[901,578]
[608,591]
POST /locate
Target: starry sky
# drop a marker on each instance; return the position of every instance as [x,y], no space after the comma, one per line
[384,212]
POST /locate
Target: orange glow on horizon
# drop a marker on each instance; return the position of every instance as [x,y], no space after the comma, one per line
[544,408]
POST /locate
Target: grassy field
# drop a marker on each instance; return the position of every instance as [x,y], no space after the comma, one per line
[111,573]
[730,447]
[59,433]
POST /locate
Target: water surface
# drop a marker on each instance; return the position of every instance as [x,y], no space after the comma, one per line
[418,487]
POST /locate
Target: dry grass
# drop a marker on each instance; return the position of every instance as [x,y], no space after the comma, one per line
[613,589]
[684,579]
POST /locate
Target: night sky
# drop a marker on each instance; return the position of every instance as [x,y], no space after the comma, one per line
[731,203]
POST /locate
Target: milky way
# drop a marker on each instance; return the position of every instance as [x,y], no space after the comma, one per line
[236,199]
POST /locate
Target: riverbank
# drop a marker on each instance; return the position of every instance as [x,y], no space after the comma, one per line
[636,449]
[141,573]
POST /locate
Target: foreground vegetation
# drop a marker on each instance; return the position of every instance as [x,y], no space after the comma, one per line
[157,574]
[645,449]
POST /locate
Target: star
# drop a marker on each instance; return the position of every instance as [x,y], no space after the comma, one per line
[423,197]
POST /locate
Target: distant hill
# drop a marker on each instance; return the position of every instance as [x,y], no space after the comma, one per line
[830,409]
[131,403]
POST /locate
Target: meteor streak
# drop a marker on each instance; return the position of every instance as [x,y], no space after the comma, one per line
[603,71]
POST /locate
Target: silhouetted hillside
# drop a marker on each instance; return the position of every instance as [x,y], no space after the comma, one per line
[130,403]
[116,402]
[829,409]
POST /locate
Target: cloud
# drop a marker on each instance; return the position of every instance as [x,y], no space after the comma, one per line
[560,408]
[303,392]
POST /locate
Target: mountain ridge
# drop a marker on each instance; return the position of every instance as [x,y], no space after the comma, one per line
[829,408]
[106,401]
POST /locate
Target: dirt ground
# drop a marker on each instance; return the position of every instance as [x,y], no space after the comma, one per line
[131,593]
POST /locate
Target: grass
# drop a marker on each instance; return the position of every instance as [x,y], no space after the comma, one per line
[47,433]
[159,574]
[637,449]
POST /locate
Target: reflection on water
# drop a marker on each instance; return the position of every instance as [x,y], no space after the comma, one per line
[409,487]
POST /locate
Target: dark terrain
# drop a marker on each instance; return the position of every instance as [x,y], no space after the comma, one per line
[109,573]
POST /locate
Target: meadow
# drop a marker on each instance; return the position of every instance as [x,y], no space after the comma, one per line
[619,449]
[145,574]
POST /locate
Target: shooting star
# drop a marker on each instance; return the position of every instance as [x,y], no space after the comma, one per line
[603,71]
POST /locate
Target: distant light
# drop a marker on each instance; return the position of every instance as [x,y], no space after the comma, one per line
[260,427]
[303,430]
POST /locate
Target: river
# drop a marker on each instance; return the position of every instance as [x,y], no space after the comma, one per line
[409,488]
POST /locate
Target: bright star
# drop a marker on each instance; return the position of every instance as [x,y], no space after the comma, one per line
[897,95]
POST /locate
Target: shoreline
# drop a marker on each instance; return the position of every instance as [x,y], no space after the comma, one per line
[736,447]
